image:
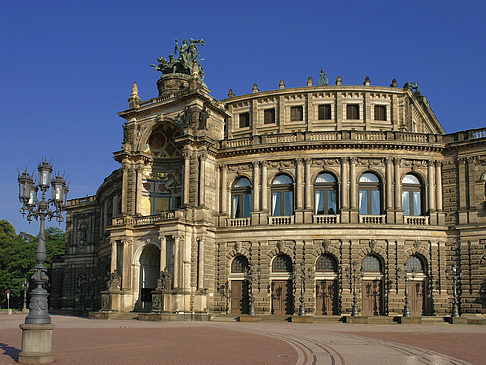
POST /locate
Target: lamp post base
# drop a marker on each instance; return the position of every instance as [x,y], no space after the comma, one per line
[36,344]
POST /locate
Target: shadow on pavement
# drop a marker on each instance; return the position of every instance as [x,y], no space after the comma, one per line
[13,352]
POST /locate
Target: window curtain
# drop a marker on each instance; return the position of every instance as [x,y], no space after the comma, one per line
[406,202]
[363,202]
[416,203]
[375,202]
[331,202]
[236,205]
[274,203]
[317,202]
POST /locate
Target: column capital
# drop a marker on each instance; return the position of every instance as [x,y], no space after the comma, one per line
[126,241]
[397,160]
[299,161]
[353,160]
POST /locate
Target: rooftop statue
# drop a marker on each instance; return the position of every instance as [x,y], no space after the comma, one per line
[188,56]
[414,86]
[323,78]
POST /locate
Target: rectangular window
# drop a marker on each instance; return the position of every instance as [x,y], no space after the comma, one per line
[352,111]
[244,119]
[380,112]
[324,112]
[269,116]
[331,202]
[296,113]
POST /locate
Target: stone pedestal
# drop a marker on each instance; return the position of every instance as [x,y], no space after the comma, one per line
[36,344]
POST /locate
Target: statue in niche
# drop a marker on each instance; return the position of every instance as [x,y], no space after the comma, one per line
[114,283]
[165,280]
[203,117]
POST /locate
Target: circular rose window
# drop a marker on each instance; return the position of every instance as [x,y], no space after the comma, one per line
[156,141]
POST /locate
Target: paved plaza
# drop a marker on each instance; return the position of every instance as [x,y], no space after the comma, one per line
[82,341]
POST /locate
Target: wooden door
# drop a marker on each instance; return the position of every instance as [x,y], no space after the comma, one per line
[416,298]
[326,297]
[371,298]
[239,297]
[282,302]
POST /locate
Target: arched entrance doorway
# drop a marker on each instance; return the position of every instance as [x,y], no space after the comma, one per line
[326,285]
[282,293]
[415,271]
[239,286]
[148,275]
[372,286]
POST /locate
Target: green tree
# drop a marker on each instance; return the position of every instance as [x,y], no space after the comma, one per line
[17,258]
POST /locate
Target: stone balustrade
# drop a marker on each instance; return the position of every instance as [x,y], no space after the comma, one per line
[326,219]
[416,220]
[281,220]
[372,219]
[238,222]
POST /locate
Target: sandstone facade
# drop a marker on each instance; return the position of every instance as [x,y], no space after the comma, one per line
[271,197]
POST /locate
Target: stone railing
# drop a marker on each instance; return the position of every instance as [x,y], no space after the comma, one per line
[238,222]
[281,220]
[372,219]
[142,221]
[326,219]
[84,200]
[344,135]
[466,135]
[416,220]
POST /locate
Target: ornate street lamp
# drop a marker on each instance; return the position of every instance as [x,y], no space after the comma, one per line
[406,309]
[226,291]
[37,329]
[41,209]
[303,275]
[455,275]
[249,276]
[353,274]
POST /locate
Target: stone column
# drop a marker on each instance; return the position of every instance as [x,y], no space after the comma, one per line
[105,215]
[398,192]
[187,168]
[200,273]
[438,183]
[113,255]
[124,208]
[344,184]
[256,186]
[308,185]
[138,190]
[176,262]
[163,252]
[354,212]
[264,187]
[125,265]
[114,206]
[461,185]
[202,179]
[298,187]
[390,216]
[430,183]
[224,191]
[389,185]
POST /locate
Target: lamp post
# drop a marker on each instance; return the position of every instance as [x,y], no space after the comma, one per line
[249,276]
[353,274]
[406,309]
[25,286]
[303,275]
[37,330]
[455,275]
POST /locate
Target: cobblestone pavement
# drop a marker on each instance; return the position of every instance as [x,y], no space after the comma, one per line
[82,341]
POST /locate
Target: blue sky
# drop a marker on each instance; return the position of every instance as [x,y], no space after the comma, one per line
[67,67]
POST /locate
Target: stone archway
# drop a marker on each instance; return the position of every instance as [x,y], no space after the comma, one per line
[149,272]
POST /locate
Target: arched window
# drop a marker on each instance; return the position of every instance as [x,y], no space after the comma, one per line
[325,193]
[326,263]
[371,263]
[282,195]
[415,263]
[282,263]
[241,198]
[239,265]
[411,195]
[369,194]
